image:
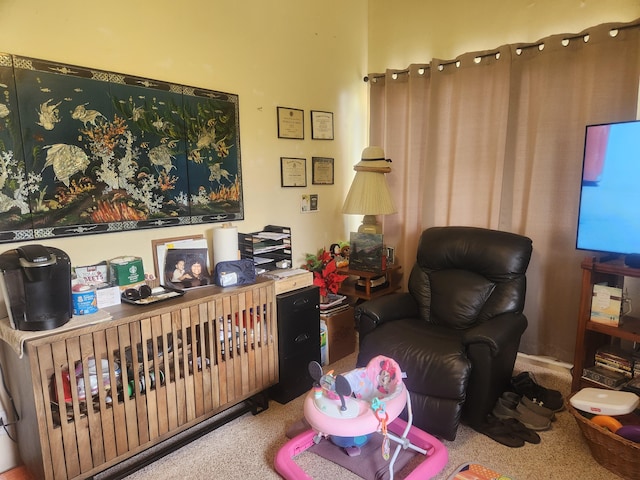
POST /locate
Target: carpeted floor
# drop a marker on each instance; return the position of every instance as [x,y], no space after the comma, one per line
[245,448]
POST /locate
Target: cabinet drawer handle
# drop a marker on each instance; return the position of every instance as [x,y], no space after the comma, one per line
[303,337]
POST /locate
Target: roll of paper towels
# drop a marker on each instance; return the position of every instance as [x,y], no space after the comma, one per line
[225,243]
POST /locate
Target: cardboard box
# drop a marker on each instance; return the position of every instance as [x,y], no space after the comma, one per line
[126,272]
[95,275]
[341,334]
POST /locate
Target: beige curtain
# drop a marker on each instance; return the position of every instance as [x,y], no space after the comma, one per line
[495,139]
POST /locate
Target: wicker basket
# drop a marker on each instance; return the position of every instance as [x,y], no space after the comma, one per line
[612,451]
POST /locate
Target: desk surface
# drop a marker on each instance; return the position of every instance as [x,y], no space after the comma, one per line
[124,311]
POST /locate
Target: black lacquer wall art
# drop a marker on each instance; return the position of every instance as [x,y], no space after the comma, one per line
[85,151]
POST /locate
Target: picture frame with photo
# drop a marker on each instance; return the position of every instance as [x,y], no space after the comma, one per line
[186,268]
[160,246]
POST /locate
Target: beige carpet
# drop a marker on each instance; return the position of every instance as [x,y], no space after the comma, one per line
[245,448]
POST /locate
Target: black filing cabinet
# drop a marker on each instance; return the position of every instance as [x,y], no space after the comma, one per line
[298,341]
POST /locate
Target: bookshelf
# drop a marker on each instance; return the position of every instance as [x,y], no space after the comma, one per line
[590,336]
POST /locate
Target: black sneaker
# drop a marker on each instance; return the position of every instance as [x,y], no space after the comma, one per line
[525,384]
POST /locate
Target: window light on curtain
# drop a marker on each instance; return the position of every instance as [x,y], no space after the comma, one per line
[495,139]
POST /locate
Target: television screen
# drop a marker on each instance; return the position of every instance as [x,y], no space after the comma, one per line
[609,217]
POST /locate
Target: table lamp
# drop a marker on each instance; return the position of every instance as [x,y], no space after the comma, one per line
[369,194]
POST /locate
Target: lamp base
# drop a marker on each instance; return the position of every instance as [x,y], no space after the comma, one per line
[370,225]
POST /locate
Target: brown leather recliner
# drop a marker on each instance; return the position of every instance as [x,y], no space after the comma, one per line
[457,331]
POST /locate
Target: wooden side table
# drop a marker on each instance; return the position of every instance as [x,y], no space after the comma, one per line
[348,287]
[341,334]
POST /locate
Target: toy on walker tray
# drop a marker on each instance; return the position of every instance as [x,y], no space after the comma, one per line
[350,408]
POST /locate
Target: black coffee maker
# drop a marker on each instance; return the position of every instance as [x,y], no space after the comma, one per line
[36,283]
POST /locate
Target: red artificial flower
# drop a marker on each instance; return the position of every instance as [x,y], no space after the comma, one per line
[324,273]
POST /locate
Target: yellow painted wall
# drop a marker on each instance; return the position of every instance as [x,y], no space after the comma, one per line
[415,31]
[305,55]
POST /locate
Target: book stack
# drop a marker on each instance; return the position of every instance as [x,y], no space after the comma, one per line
[615,359]
[374,283]
[613,368]
[336,303]
[633,385]
[604,376]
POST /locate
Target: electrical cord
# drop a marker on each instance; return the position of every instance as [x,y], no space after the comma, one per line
[13,406]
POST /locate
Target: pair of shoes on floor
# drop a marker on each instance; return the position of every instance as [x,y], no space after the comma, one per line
[525,385]
[509,405]
[509,432]
[530,404]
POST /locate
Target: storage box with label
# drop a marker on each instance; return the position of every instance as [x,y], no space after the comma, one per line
[126,272]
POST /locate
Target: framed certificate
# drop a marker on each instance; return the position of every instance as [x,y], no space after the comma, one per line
[321,125]
[293,172]
[290,123]
[321,171]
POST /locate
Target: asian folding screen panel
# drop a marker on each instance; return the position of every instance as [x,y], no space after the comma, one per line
[85,151]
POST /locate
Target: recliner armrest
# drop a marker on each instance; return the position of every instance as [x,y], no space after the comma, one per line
[370,314]
[500,330]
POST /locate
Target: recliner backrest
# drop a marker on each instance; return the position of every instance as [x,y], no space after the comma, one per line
[465,275]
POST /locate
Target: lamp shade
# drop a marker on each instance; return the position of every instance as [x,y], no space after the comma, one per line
[369,193]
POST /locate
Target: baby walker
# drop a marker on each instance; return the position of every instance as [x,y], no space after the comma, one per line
[350,408]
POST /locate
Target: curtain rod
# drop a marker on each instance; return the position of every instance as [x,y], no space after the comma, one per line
[375,76]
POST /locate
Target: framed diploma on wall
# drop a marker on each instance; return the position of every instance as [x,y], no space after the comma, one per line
[290,123]
[321,125]
[321,171]
[293,172]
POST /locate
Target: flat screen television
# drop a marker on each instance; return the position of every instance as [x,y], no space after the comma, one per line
[609,215]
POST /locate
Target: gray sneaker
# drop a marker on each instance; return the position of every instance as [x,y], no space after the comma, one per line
[505,409]
[530,404]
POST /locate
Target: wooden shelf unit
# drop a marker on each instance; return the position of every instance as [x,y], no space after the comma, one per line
[214,348]
[348,287]
[591,335]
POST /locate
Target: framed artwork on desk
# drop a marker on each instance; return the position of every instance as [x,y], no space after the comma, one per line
[366,252]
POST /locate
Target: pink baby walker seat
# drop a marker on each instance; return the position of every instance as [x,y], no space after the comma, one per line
[350,408]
